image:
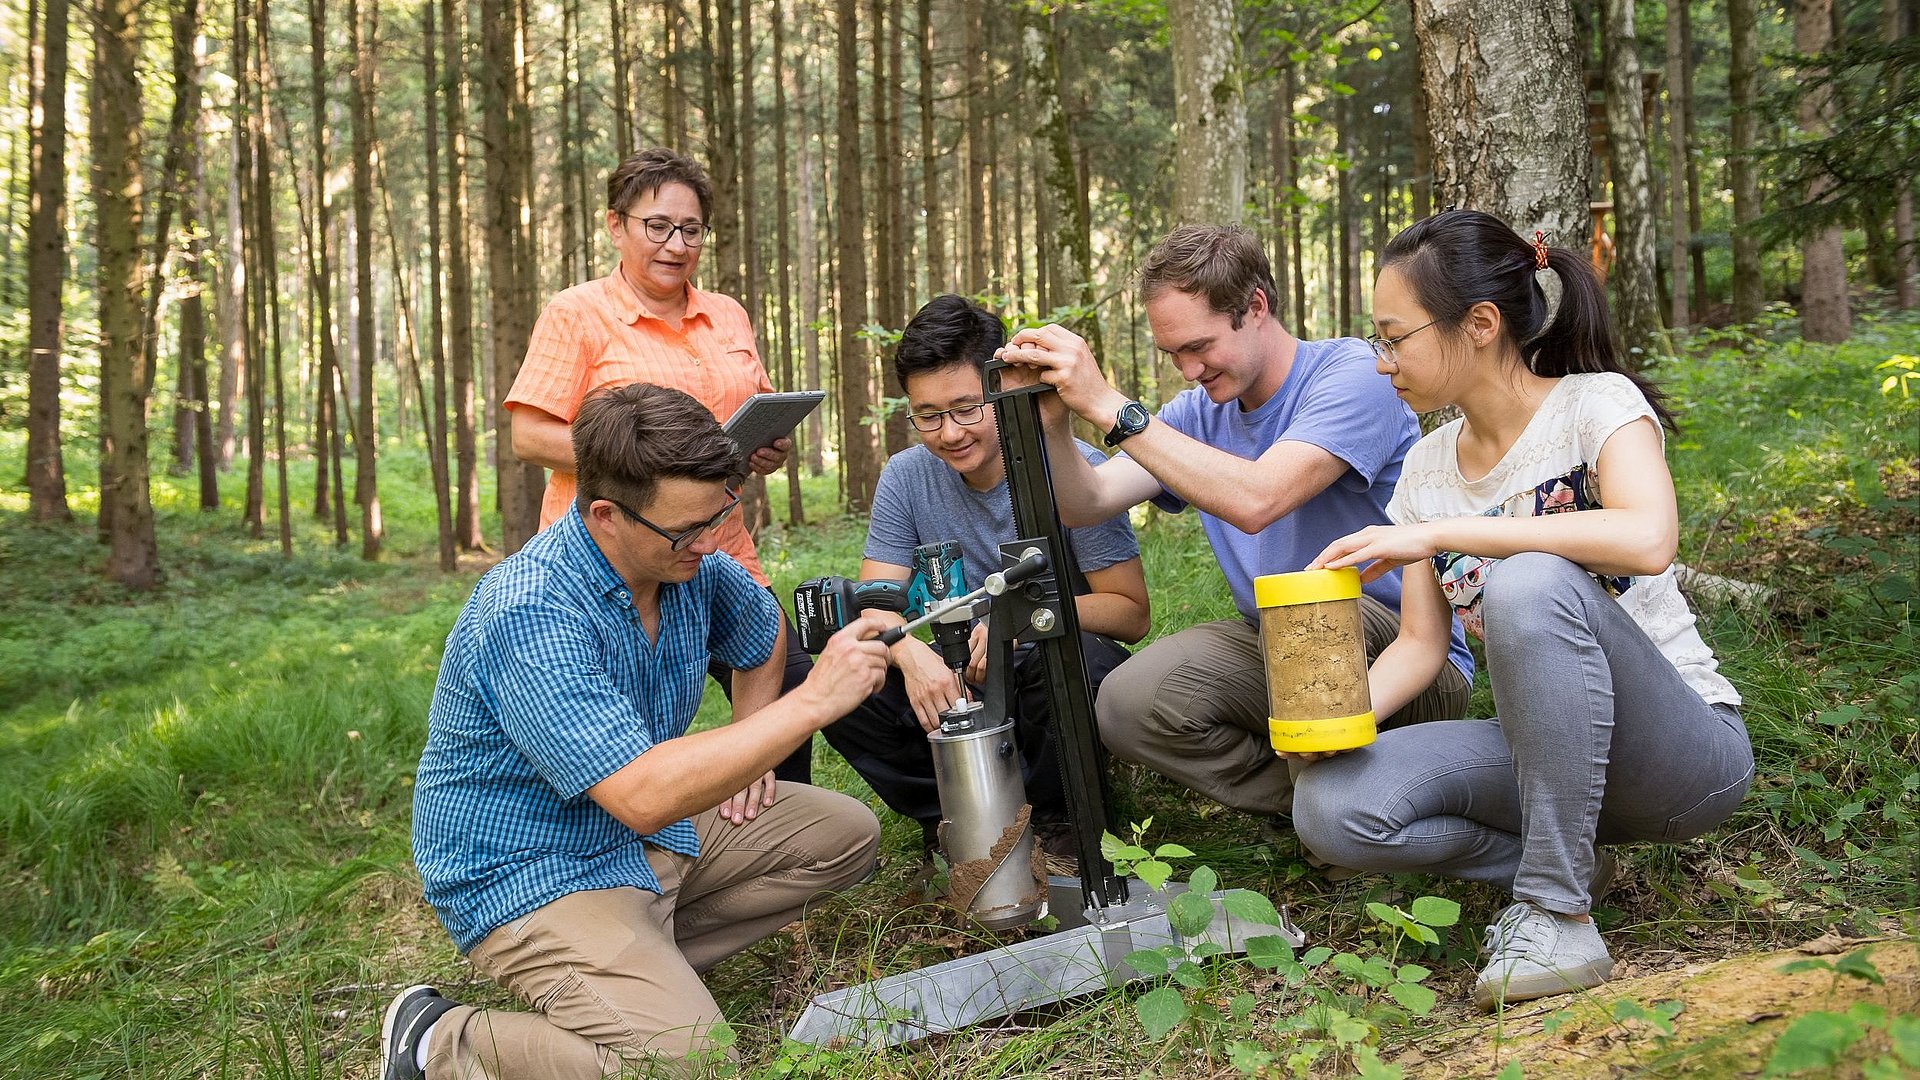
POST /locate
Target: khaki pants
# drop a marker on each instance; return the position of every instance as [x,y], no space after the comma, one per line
[1193,708]
[613,974]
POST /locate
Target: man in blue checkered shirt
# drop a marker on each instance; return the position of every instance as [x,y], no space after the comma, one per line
[582,849]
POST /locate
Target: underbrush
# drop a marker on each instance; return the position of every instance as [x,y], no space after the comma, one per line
[205,791]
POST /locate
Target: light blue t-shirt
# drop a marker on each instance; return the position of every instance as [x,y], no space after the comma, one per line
[923,500]
[1333,399]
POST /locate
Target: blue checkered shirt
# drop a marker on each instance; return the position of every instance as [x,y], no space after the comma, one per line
[549,686]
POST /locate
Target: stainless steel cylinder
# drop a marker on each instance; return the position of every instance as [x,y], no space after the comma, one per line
[985,827]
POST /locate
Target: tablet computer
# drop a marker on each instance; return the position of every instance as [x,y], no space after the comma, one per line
[763,418]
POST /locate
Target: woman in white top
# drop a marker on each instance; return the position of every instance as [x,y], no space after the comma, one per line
[1546,513]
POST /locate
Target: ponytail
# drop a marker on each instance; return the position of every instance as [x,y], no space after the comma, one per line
[1459,258]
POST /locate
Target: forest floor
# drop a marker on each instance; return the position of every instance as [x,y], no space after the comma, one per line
[205,795]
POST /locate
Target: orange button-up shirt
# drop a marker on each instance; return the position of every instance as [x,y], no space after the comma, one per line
[597,335]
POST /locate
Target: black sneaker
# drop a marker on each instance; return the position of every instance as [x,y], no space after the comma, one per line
[408,1019]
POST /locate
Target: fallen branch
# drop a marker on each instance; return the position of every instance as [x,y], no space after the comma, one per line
[1712,590]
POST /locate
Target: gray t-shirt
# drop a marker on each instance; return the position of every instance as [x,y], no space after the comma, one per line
[922,500]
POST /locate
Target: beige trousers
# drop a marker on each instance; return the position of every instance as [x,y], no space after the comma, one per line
[1193,708]
[613,975]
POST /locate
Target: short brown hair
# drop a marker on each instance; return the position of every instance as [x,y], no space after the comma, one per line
[626,438]
[1224,263]
[647,171]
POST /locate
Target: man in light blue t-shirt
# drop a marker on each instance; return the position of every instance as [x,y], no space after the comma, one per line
[1281,447]
[954,487]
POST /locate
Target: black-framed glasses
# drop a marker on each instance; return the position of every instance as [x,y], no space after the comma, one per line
[660,230]
[1384,347]
[964,415]
[685,537]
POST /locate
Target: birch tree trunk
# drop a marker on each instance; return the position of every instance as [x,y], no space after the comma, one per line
[47,270]
[1507,105]
[1210,113]
[1636,304]
[1826,313]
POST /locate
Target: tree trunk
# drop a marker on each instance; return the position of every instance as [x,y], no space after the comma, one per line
[230,299]
[723,141]
[114,113]
[269,267]
[1295,252]
[1210,116]
[459,332]
[1280,154]
[1894,28]
[1636,305]
[811,239]
[783,245]
[1422,155]
[1678,124]
[193,333]
[366,434]
[622,92]
[185,30]
[1345,210]
[935,256]
[1071,240]
[858,453]
[887,294]
[47,270]
[1743,78]
[320,270]
[509,255]
[248,108]
[676,103]
[436,428]
[1507,109]
[1826,314]
[977,150]
[1699,255]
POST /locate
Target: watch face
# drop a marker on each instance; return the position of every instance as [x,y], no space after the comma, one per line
[1130,420]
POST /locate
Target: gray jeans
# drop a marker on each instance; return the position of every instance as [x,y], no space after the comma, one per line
[1599,741]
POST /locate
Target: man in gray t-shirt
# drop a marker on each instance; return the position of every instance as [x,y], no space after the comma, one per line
[954,487]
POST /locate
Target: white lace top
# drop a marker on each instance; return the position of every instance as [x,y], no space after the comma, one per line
[1551,469]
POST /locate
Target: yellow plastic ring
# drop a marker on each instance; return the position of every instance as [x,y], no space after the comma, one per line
[1306,587]
[1319,736]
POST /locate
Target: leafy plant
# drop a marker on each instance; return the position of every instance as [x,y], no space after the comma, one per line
[1819,1040]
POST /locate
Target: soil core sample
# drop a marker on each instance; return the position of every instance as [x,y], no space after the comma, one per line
[1316,656]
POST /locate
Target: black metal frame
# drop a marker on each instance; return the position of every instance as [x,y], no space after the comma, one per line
[1037,521]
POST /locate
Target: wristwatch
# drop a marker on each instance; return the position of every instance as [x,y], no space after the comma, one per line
[1130,421]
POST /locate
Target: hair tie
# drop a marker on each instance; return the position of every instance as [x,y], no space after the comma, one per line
[1539,250]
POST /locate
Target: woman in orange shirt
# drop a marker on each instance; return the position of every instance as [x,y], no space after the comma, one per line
[645,322]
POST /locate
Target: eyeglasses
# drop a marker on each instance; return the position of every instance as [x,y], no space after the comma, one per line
[685,537]
[660,230]
[964,415]
[1385,347]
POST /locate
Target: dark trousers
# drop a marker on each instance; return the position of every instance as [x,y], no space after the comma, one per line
[885,744]
[798,767]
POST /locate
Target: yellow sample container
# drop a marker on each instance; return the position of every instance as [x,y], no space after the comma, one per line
[1316,653]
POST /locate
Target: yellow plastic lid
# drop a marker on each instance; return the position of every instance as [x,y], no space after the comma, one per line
[1306,587]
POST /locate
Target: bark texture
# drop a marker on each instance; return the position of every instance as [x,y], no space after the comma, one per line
[1507,105]
[1210,113]
[47,271]
[1825,311]
[1743,75]
[1636,302]
[115,118]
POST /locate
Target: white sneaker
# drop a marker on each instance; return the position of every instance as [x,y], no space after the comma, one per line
[1534,953]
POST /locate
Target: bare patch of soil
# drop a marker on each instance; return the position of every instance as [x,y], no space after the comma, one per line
[1732,1011]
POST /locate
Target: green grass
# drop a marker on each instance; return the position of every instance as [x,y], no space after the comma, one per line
[205,791]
